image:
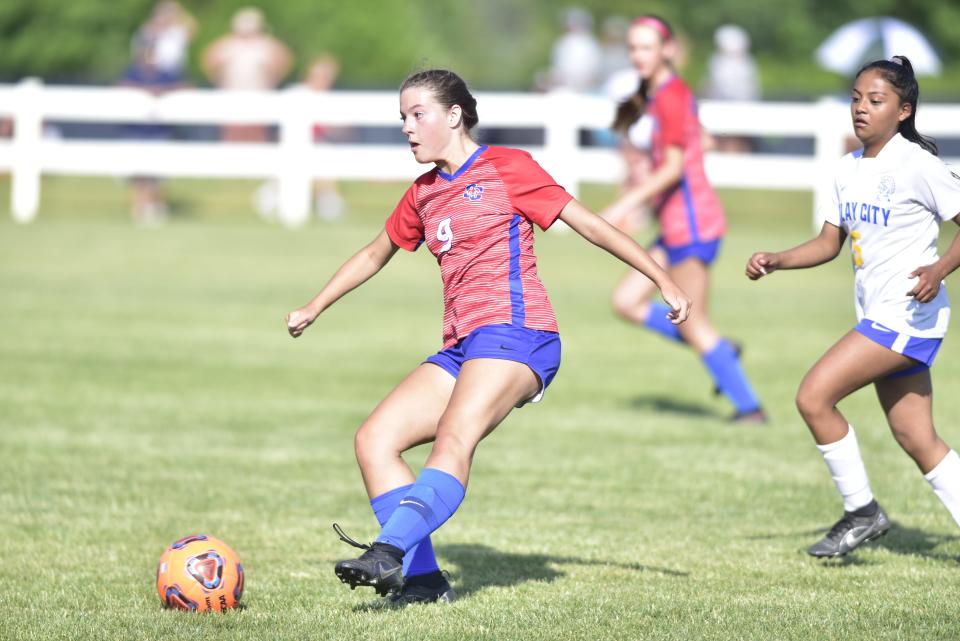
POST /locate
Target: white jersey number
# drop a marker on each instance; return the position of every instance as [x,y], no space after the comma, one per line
[444,235]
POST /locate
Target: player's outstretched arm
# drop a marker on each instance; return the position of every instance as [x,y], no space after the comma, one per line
[353,273]
[821,249]
[666,175]
[929,277]
[604,235]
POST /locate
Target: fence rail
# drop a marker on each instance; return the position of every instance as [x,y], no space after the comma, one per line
[295,160]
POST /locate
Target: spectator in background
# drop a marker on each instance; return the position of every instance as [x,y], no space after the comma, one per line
[321,75]
[247,59]
[575,62]
[328,204]
[614,55]
[168,33]
[148,202]
[732,75]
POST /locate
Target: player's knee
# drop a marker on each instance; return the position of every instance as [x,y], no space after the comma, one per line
[810,403]
[362,445]
[629,308]
[914,442]
[449,443]
[621,305]
[699,335]
[905,440]
[370,446]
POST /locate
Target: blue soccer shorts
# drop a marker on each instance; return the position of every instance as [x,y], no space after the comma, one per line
[538,350]
[922,350]
[706,252]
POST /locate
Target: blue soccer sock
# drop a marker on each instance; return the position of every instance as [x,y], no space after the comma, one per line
[420,559]
[658,322]
[427,505]
[724,367]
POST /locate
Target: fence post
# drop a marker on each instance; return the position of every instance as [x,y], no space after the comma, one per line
[828,148]
[293,175]
[561,143]
[27,136]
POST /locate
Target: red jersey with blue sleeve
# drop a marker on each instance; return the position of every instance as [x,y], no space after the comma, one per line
[478,223]
[690,212]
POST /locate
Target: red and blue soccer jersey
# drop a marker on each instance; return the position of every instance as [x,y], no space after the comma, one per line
[689,212]
[478,223]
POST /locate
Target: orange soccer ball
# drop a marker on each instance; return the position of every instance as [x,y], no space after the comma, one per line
[200,573]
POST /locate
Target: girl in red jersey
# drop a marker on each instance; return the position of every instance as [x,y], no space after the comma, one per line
[691,218]
[475,212]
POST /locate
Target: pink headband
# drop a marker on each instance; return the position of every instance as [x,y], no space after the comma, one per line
[654,23]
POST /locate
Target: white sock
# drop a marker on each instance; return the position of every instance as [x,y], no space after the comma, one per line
[846,467]
[945,481]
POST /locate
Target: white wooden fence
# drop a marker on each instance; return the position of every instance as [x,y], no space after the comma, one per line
[294,161]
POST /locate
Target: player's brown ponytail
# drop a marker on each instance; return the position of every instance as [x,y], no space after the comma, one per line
[630,110]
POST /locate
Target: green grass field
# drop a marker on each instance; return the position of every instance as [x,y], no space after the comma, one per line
[148,390]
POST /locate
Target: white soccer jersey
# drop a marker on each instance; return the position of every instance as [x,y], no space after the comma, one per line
[891,207]
[640,133]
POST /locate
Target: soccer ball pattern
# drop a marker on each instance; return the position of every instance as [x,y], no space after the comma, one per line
[200,573]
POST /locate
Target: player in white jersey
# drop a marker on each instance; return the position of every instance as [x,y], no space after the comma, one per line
[889,198]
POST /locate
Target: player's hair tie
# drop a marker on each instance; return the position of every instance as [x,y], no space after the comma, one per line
[897,60]
[656,24]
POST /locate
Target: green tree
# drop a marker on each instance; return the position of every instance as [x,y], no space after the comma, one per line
[495,44]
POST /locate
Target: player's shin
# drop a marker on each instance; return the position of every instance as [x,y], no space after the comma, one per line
[848,471]
[945,481]
[420,559]
[658,322]
[430,502]
[728,374]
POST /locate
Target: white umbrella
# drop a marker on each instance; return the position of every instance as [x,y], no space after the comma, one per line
[862,41]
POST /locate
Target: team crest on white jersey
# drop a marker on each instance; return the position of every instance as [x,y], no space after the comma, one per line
[885,188]
[473,192]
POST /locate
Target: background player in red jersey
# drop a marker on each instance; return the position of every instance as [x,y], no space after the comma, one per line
[691,218]
[475,212]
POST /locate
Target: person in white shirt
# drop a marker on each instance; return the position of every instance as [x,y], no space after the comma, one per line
[890,198]
[167,33]
[247,59]
[576,58]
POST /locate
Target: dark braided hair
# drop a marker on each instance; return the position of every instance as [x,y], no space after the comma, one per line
[449,89]
[899,73]
[630,110]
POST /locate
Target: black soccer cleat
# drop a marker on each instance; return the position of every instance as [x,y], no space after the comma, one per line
[380,566]
[852,531]
[424,588]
